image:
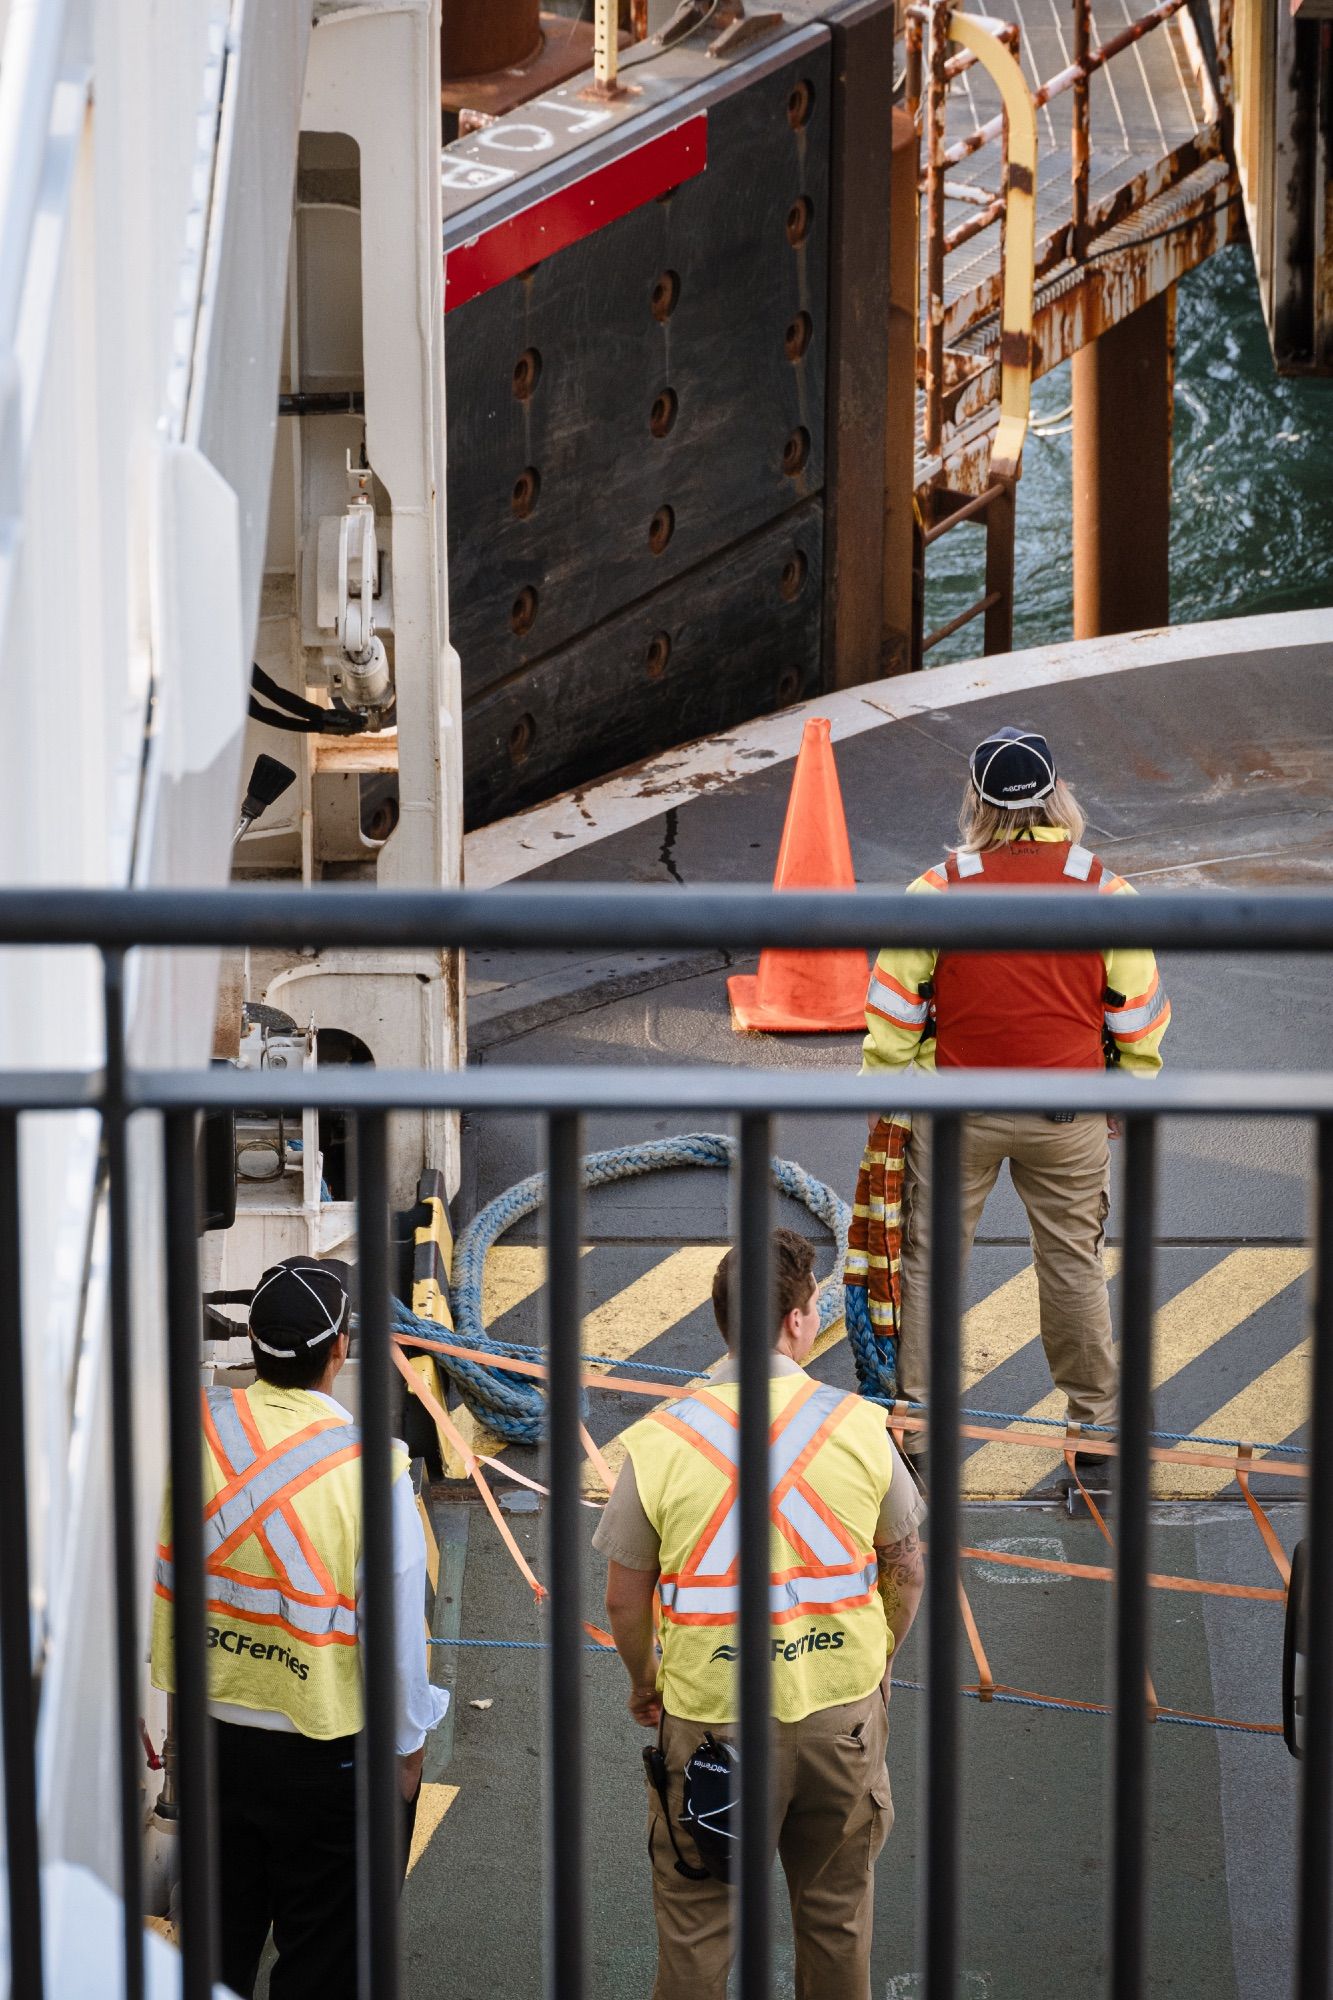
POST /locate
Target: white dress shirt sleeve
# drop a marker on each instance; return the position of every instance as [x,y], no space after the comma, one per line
[420,1706]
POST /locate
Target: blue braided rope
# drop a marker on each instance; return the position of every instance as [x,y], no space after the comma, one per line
[875,1354]
[1111,1431]
[517,1409]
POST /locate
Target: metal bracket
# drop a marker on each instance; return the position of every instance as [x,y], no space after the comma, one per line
[737,26]
[741,27]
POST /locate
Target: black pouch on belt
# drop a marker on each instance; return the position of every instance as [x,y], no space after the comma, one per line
[709,1810]
[708,1806]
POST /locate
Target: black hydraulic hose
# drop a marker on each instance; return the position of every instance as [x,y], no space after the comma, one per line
[302,716]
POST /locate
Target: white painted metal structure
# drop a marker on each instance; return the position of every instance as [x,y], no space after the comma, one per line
[155,530]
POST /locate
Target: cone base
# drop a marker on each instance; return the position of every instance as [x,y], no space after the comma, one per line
[749,1016]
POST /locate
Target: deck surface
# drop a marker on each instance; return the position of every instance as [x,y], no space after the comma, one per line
[1205,772]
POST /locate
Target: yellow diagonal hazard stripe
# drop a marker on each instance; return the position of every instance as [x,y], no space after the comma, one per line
[1183,1330]
[994,1330]
[654,1303]
[432,1805]
[432,1262]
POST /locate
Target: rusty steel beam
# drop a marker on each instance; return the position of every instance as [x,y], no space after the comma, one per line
[983,605]
[478,36]
[913,42]
[901,615]
[1122,496]
[1001,525]
[978,504]
[1066,79]
[983,302]
[1007,32]
[1080,143]
[937,95]
[861,254]
[975,225]
[1106,291]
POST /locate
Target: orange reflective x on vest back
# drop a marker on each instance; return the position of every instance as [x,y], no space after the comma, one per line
[829,1469]
[282,1539]
[1021,1009]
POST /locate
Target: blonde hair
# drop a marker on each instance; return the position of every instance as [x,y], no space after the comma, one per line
[982,825]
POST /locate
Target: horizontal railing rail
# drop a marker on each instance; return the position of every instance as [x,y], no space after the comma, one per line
[741,919]
[544,918]
[1287,1094]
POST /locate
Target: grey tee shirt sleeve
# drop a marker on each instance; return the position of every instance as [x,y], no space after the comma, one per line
[624,1533]
[904,1505]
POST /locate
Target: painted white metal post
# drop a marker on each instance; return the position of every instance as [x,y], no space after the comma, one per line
[606,46]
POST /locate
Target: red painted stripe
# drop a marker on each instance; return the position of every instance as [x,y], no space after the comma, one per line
[576,211]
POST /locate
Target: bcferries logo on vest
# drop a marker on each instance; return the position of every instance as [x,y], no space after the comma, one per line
[232,1641]
[788,1649]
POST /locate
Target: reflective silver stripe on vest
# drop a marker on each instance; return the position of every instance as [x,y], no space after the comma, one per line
[813,1530]
[230,1429]
[718,1599]
[710,1424]
[968,863]
[313,1621]
[285,1546]
[796,1593]
[885,1000]
[269,1479]
[1132,1020]
[242,1455]
[1079,864]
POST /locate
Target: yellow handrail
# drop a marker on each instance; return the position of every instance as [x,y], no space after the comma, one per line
[1020,237]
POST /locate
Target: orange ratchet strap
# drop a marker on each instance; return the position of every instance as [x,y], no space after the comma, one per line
[1261,1520]
[473,1469]
[455,1437]
[987,1433]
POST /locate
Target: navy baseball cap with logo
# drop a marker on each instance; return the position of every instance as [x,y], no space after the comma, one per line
[297,1305]
[1013,768]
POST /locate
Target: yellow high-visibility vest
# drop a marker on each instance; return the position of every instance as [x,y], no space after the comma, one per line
[830,1468]
[282,1539]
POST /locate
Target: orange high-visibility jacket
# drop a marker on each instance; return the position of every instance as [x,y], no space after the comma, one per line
[1017,1010]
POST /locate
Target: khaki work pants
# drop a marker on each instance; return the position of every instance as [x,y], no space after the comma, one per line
[832,1812]
[1062,1175]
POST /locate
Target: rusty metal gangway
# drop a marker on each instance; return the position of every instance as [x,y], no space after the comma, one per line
[1127,188]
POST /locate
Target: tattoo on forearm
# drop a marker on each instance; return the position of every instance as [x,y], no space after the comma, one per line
[901,1572]
[901,1562]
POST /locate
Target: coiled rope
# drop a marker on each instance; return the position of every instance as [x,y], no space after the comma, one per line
[516,1409]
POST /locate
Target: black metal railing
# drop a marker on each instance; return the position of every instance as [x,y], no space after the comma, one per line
[741,920]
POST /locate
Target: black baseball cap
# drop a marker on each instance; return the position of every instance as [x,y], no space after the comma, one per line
[1013,768]
[298,1305]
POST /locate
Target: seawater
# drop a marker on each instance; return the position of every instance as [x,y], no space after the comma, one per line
[1252,483]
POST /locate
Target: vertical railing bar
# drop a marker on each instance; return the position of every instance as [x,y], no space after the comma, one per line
[1080,138]
[379,1857]
[937,91]
[194,1747]
[756,1345]
[1316,1808]
[942,1570]
[1129,1755]
[18,1707]
[564,1716]
[115,1135]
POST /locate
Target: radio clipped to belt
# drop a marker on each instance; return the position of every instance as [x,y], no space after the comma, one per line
[709,1810]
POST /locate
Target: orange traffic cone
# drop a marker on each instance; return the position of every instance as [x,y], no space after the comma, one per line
[808,992]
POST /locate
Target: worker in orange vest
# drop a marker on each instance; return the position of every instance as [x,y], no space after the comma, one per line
[1020,826]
